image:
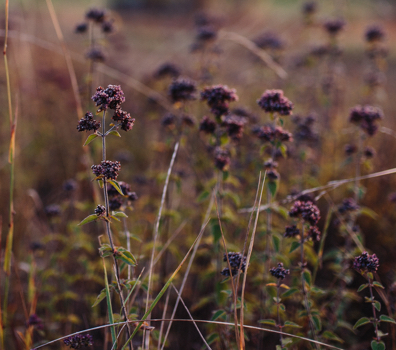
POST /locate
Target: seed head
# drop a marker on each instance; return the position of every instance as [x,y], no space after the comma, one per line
[167,69]
[100,210]
[269,40]
[366,263]
[96,15]
[222,159]
[369,152]
[350,149]
[35,321]
[96,54]
[314,233]
[81,28]
[366,117]
[206,33]
[111,97]
[52,210]
[269,134]
[291,231]
[88,123]
[279,272]
[334,26]
[182,89]
[235,261]
[107,169]
[115,203]
[207,125]
[309,7]
[234,125]
[348,205]
[78,341]
[308,211]
[374,33]
[275,101]
[272,175]
[218,98]
[108,27]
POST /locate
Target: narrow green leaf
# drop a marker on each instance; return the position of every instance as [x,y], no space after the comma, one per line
[377,345]
[113,217]
[377,305]
[88,219]
[212,338]
[226,174]
[294,246]
[115,133]
[120,214]
[361,322]
[385,318]
[368,212]
[290,292]
[116,186]
[100,297]
[379,285]
[109,307]
[283,150]
[276,243]
[203,196]
[90,139]
[126,257]
[273,187]
[307,277]
[216,232]
[269,322]
[363,286]
[291,324]
[218,314]
[317,322]
[331,336]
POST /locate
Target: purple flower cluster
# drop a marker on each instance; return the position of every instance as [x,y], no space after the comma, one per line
[182,89]
[234,125]
[366,263]
[279,272]
[107,169]
[218,98]
[96,15]
[366,117]
[374,33]
[269,134]
[35,321]
[291,231]
[111,97]
[269,40]
[167,69]
[116,200]
[308,211]
[222,158]
[236,259]
[207,125]
[304,129]
[348,205]
[78,341]
[125,119]
[88,123]
[334,26]
[275,101]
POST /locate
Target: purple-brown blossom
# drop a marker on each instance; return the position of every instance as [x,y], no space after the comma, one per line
[279,272]
[291,231]
[111,97]
[308,211]
[366,117]
[222,159]
[334,26]
[182,89]
[236,260]
[274,101]
[100,210]
[348,205]
[234,125]
[269,134]
[374,33]
[107,169]
[366,263]
[218,98]
[207,125]
[78,341]
[88,123]
[95,15]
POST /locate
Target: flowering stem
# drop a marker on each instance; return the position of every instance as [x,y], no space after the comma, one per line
[372,304]
[305,293]
[108,229]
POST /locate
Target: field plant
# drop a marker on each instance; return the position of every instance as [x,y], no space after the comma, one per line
[248,206]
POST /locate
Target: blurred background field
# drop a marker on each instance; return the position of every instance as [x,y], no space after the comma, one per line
[56,264]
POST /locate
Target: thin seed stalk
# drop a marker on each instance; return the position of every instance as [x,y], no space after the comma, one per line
[277,311]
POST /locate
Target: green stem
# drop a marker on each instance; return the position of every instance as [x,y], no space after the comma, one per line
[374,312]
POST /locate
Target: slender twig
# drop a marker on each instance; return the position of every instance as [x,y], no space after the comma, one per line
[163,316]
[187,320]
[194,252]
[158,219]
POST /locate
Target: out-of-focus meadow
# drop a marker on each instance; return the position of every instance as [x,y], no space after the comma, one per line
[251,46]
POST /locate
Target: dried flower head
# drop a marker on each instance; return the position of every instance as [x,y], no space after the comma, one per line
[88,123]
[168,119]
[111,97]
[96,54]
[366,117]
[236,260]
[81,28]
[52,210]
[269,40]
[334,26]
[275,101]
[207,125]
[100,210]
[304,129]
[234,126]
[369,152]
[374,33]
[270,164]
[107,169]
[167,69]
[218,98]
[269,134]
[70,185]
[206,33]
[272,175]
[279,272]
[182,89]
[308,211]
[350,149]
[78,341]
[108,27]
[366,263]
[35,321]
[222,158]
[348,205]
[95,15]
[313,233]
[309,7]
[188,120]
[291,231]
